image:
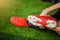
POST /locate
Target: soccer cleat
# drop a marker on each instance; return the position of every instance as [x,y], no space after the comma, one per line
[41,21]
[46,21]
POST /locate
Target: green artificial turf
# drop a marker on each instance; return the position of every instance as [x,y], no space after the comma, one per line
[23,8]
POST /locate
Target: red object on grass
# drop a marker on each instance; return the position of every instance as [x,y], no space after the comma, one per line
[18,21]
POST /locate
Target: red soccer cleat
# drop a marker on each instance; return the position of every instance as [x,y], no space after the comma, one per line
[46,21]
[18,21]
